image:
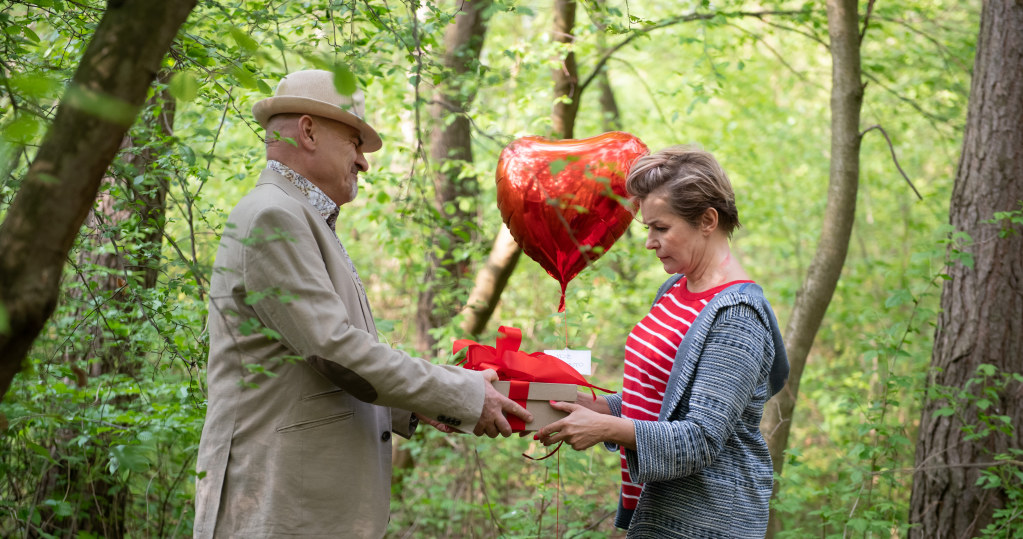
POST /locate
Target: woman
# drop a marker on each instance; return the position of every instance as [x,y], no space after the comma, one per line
[698,369]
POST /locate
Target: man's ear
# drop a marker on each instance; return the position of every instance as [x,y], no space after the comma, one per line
[709,220]
[307,132]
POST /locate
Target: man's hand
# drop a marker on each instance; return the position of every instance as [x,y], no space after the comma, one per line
[435,424]
[492,421]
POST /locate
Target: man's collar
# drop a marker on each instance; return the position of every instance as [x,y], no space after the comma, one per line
[323,204]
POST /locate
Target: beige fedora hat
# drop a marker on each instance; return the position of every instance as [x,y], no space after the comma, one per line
[312,92]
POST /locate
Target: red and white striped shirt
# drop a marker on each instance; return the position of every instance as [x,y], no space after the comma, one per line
[649,355]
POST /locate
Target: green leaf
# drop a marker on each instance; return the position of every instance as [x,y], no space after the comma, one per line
[900,297]
[263,86]
[29,34]
[183,86]
[243,40]
[101,105]
[23,130]
[39,450]
[245,78]
[558,165]
[34,85]
[60,508]
[249,326]
[344,80]
[128,457]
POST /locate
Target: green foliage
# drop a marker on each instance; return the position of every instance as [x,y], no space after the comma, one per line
[1010,221]
[114,391]
[869,418]
[973,406]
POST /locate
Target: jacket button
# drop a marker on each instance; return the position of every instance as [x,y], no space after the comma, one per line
[385,436]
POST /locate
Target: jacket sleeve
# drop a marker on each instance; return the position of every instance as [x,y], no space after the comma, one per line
[289,288]
[403,422]
[731,366]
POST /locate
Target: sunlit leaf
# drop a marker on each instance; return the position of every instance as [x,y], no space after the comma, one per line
[242,39]
[344,80]
[183,86]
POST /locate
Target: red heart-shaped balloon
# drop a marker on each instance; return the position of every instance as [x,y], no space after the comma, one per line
[565,200]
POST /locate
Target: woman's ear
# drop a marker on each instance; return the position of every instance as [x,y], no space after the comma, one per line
[709,221]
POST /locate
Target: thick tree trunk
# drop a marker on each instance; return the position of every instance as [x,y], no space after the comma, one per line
[450,153]
[981,306]
[55,196]
[822,276]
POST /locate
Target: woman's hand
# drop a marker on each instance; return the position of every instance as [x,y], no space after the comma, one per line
[584,427]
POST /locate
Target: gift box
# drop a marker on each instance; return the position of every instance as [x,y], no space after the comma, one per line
[532,380]
[536,397]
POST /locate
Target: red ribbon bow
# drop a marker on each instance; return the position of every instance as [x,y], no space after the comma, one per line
[514,365]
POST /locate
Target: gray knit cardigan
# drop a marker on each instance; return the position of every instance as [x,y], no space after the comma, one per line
[705,467]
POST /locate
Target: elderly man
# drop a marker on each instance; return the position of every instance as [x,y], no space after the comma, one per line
[302,397]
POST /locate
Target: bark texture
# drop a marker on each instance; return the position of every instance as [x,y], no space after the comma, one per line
[981,320]
[450,153]
[818,287]
[566,78]
[610,117]
[55,196]
[490,282]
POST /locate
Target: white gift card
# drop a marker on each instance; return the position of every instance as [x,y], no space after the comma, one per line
[577,359]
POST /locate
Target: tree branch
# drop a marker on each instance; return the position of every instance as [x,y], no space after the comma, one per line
[895,159]
[671,22]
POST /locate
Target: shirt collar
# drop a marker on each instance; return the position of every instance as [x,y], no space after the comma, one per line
[323,204]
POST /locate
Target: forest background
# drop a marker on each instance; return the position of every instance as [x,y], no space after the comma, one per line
[100,427]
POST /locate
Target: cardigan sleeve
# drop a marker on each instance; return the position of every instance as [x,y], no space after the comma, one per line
[614,404]
[730,369]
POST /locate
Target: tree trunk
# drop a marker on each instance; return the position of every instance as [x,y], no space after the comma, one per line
[610,118]
[822,276]
[151,194]
[451,153]
[490,282]
[505,253]
[981,305]
[55,196]
[566,77]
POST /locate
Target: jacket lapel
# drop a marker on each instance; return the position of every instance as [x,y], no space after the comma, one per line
[273,178]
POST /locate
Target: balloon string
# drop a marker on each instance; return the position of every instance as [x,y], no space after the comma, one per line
[566,330]
[557,500]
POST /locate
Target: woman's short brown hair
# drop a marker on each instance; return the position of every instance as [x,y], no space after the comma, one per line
[690,179]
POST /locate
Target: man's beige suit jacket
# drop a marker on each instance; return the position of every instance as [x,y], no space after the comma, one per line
[302,396]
